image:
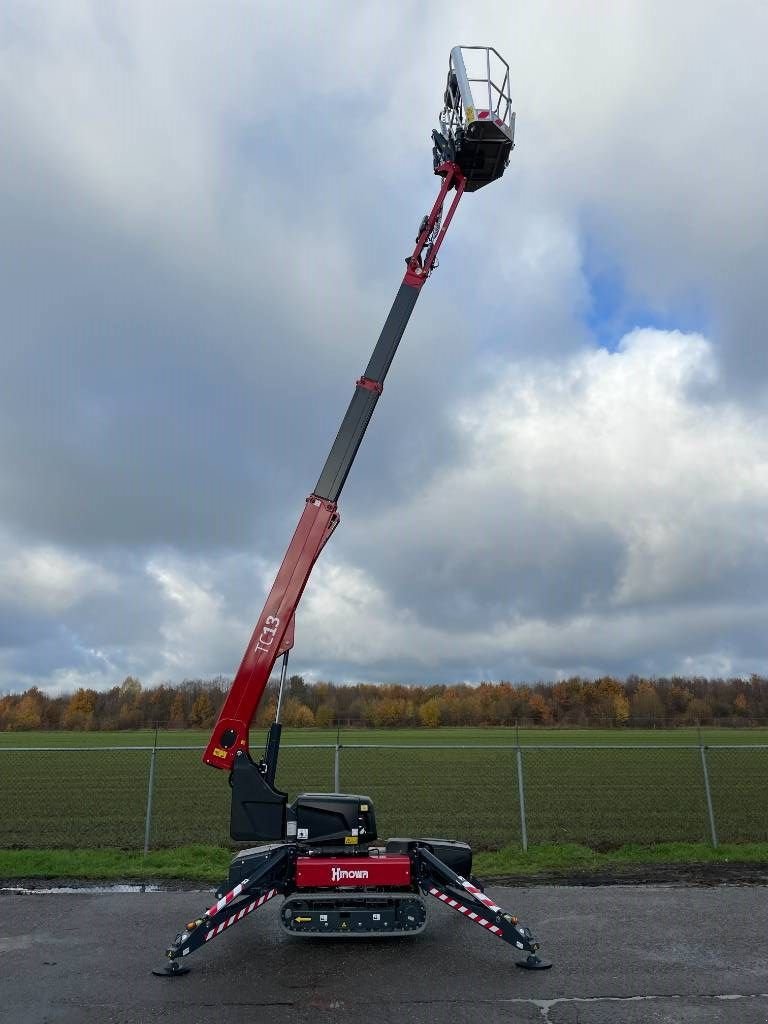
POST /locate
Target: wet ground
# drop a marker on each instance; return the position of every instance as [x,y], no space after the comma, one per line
[720,873]
[717,873]
[653,953]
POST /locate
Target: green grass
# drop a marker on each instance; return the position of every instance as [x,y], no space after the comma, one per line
[399,737]
[196,863]
[573,857]
[208,864]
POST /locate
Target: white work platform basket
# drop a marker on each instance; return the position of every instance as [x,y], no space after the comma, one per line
[477,124]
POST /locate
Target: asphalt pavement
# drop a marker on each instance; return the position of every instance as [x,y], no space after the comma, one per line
[631,954]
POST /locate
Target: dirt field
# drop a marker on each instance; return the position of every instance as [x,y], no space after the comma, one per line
[600,796]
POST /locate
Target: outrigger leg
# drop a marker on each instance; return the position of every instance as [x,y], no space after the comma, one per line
[267,881]
[438,880]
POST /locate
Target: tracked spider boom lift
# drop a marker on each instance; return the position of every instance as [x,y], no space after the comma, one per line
[321,853]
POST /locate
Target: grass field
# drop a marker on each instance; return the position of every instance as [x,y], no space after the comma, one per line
[474,736]
[569,861]
[599,797]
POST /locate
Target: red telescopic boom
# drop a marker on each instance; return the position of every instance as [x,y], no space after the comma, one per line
[274,629]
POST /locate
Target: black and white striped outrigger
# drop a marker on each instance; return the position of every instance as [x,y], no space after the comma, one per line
[467,898]
[240,901]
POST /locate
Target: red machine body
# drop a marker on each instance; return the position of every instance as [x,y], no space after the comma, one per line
[389,871]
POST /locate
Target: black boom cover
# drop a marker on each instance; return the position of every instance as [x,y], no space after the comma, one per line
[258,809]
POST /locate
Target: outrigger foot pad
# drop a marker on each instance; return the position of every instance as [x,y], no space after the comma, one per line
[533,963]
[171,968]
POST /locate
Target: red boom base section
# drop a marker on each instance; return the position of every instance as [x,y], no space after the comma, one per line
[230,734]
[353,872]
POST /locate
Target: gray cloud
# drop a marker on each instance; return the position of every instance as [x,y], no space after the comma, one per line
[203,228]
[599,504]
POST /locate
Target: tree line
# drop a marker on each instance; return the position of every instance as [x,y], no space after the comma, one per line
[608,702]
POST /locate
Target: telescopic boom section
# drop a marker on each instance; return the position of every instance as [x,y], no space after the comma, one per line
[274,629]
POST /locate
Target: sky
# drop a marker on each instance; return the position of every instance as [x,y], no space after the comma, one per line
[205,210]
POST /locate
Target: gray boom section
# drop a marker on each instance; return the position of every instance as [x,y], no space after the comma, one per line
[358,415]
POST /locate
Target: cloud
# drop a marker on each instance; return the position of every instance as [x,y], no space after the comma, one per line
[48,579]
[595,503]
[204,222]
[598,517]
[200,630]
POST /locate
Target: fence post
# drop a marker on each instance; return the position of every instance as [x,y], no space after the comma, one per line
[708,793]
[150,791]
[521,797]
[336,786]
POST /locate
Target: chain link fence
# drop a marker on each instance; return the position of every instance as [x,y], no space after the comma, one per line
[490,796]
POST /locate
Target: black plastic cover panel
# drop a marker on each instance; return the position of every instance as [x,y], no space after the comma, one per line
[258,809]
[334,818]
[454,854]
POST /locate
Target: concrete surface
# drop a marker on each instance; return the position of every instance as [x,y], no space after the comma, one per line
[647,954]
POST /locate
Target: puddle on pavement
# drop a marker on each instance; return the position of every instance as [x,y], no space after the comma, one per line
[84,890]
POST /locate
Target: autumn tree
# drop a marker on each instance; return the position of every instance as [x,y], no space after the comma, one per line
[80,710]
[646,706]
[740,705]
[28,713]
[7,706]
[324,716]
[178,712]
[698,712]
[539,710]
[265,714]
[620,709]
[296,715]
[129,713]
[389,713]
[429,713]
[568,704]
[298,689]
[603,698]
[605,702]
[203,712]
[130,690]
[678,699]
